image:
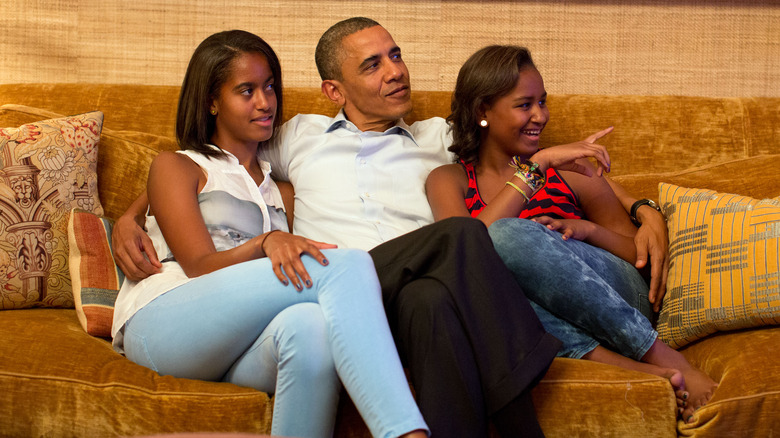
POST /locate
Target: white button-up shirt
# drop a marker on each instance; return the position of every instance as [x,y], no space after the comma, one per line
[353,188]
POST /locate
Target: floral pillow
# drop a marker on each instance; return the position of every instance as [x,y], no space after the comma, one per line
[47,168]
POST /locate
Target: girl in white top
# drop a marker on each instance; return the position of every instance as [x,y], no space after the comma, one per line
[238,298]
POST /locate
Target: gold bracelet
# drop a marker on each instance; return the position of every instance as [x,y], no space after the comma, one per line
[511,184]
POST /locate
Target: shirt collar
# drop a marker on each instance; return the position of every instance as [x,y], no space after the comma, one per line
[340,121]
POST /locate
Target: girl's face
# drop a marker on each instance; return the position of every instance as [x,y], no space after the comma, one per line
[516,119]
[246,105]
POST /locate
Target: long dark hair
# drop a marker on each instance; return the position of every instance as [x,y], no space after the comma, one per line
[209,69]
[487,75]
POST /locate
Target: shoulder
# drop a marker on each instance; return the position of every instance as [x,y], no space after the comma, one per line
[448,174]
[169,162]
[302,122]
[433,126]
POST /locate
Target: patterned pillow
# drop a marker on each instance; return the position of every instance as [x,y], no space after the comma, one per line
[47,169]
[724,271]
[96,278]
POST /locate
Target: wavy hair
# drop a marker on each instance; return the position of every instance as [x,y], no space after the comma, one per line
[209,69]
[490,73]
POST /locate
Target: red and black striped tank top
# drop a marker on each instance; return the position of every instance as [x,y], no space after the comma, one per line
[555,199]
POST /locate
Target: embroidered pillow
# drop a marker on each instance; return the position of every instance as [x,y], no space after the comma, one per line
[47,168]
[724,271]
[95,276]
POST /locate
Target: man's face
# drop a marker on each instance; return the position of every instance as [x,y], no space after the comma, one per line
[375,84]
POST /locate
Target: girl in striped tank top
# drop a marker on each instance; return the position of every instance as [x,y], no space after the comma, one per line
[575,257]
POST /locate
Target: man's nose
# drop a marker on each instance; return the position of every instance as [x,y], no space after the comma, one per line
[392,71]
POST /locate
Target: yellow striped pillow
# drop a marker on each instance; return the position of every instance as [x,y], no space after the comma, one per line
[724,271]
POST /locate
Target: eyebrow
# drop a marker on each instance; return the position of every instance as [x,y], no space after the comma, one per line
[530,97]
[376,56]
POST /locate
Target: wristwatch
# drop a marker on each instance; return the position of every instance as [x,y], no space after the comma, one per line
[639,203]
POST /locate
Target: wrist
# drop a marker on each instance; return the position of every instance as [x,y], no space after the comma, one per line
[528,172]
[639,214]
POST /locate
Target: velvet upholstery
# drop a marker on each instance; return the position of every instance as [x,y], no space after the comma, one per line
[56,380]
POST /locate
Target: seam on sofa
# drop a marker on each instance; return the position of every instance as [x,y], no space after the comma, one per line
[249,392]
[605,382]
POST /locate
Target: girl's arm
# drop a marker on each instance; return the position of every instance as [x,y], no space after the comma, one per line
[133,249]
[173,187]
[446,188]
[611,227]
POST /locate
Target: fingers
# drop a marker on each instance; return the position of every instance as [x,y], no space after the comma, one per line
[594,137]
[138,260]
[286,250]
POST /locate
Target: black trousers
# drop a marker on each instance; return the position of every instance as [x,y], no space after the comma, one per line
[462,325]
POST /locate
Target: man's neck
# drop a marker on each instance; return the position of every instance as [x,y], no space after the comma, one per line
[365,124]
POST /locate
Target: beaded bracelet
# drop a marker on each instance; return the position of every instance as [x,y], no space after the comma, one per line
[528,173]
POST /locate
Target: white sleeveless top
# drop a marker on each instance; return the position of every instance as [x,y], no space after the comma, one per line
[235,210]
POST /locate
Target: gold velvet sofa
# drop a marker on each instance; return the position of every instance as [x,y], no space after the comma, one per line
[58,381]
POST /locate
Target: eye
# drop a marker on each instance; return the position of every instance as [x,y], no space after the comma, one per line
[246,91]
[543,102]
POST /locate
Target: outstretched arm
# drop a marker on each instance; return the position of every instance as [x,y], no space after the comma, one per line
[652,240]
[133,249]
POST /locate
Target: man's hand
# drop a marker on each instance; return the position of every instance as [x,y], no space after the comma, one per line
[133,249]
[652,239]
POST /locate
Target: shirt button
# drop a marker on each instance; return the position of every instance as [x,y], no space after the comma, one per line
[362,161]
[366,195]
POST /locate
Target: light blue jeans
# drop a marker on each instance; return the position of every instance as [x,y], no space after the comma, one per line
[241,325]
[583,295]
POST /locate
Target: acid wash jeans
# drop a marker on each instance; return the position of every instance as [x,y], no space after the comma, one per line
[583,295]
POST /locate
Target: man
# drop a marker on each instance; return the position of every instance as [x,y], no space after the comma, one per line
[473,345]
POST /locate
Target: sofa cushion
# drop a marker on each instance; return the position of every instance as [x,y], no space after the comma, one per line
[93,272]
[747,399]
[57,380]
[48,168]
[724,263]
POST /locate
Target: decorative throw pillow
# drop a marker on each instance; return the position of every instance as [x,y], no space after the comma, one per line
[724,270]
[95,276]
[47,169]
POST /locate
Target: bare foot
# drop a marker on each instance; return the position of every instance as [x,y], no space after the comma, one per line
[698,387]
[676,378]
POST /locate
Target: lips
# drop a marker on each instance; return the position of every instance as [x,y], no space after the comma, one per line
[264,119]
[400,91]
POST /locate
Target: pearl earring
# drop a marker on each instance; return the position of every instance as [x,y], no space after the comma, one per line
[483,123]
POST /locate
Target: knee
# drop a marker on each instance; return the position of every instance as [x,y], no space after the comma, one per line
[510,233]
[459,225]
[352,262]
[424,302]
[303,341]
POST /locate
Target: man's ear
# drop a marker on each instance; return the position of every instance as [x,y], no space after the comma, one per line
[331,88]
